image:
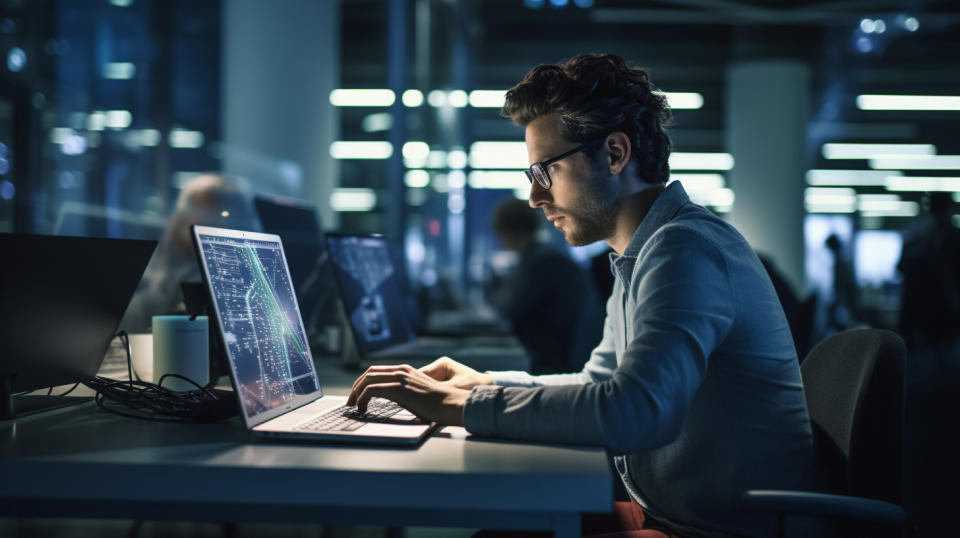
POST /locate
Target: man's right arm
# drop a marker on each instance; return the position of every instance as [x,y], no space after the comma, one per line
[600,366]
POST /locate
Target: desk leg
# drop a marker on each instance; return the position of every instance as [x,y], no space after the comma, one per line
[567,525]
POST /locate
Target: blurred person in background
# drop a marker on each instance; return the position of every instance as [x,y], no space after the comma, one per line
[930,264]
[548,301]
[209,200]
[843,310]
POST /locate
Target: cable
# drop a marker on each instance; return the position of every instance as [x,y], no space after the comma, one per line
[71,389]
[152,401]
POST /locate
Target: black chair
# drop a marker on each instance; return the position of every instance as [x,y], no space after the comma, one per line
[854,383]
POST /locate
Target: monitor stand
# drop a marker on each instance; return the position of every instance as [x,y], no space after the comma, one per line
[12,407]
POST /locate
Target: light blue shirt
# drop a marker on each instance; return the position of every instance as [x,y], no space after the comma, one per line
[695,386]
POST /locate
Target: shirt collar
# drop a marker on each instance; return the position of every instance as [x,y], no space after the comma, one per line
[663,210]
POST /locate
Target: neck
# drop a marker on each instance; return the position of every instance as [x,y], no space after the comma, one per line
[631,210]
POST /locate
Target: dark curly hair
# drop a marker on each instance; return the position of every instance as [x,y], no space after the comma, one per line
[594,95]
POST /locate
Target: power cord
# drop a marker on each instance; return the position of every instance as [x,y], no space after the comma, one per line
[140,399]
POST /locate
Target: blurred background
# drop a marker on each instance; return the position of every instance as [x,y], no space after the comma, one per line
[796,121]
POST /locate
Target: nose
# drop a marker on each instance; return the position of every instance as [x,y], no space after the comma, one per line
[539,196]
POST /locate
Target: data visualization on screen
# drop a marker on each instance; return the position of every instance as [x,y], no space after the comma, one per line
[260,321]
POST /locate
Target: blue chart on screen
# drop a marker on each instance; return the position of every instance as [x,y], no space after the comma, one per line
[261,325]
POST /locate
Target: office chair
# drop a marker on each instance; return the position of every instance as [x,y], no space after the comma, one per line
[854,383]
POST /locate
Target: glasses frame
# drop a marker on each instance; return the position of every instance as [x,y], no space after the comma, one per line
[538,171]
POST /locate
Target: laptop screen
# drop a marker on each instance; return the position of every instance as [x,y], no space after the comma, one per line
[372,296]
[259,319]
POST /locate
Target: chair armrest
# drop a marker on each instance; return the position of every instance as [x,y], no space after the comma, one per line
[821,504]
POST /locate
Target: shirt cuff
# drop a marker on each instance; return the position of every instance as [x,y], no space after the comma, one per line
[480,411]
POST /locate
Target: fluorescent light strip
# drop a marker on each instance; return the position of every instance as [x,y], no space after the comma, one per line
[412,98]
[499,155]
[720,199]
[371,98]
[415,154]
[361,150]
[701,161]
[117,119]
[852,178]
[182,138]
[827,200]
[485,179]
[923,184]
[457,159]
[684,100]
[908,102]
[458,98]
[353,199]
[699,182]
[889,209]
[416,179]
[119,70]
[487,98]
[934,162]
[873,151]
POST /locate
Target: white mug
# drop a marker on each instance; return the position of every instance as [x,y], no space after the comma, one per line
[180,346]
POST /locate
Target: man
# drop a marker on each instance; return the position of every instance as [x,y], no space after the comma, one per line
[549,301]
[695,386]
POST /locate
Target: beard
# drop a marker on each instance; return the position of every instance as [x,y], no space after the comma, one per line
[594,216]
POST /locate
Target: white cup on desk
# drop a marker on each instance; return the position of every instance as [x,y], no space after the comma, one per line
[180,346]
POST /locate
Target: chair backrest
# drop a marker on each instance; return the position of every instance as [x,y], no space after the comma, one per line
[854,382]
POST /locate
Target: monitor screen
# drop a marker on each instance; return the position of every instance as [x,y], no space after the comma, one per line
[259,318]
[371,290]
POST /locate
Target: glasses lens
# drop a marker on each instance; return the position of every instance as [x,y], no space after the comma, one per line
[540,174]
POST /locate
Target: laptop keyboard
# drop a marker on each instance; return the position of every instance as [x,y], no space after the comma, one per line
[347,418]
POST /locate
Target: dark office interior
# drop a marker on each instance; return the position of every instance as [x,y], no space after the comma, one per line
[334,180]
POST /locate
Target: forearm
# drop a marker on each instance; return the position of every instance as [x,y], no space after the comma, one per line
[524,379]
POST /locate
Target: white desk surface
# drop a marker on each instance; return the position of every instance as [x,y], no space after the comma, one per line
[85,462]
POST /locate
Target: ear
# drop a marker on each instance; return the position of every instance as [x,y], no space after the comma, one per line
[618,151]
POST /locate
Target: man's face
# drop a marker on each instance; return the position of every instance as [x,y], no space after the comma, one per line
[581,201]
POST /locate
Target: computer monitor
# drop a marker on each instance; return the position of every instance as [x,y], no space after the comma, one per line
[63,298]
[298,225]
[371,288]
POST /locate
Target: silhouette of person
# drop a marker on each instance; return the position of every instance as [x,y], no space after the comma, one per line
[206,199]
[547,300]
[930,264]
[842,311]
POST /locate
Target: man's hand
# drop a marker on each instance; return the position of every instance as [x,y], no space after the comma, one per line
[416,391]
[451,372]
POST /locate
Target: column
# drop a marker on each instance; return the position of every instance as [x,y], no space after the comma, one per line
[767,107]
[280,63]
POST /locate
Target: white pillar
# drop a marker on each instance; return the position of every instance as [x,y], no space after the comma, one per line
[280,62]
[767,107]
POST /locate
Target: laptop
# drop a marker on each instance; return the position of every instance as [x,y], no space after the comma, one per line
[271,366]
[62,298]
[370,287]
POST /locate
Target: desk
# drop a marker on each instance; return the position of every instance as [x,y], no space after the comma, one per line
[84,462]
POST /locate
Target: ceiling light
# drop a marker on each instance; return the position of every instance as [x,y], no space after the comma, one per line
[908,102]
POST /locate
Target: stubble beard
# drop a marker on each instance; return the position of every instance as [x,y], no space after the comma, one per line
[594,218]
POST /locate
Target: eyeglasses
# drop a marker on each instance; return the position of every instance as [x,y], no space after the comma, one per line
[538,171]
